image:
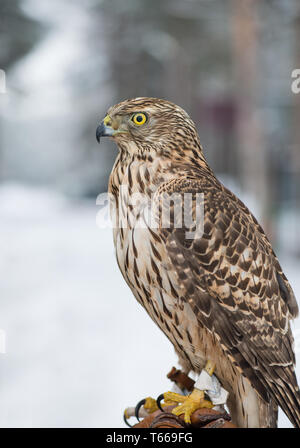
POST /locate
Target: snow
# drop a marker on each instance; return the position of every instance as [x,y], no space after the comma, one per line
[79,348]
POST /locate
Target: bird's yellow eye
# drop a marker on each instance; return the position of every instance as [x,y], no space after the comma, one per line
[139,119]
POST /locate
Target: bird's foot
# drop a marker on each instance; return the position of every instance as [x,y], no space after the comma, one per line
[189,404]
[150,405]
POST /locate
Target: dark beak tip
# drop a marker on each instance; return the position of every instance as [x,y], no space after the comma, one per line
[99,132]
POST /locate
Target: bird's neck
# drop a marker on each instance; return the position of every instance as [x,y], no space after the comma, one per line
[144,170]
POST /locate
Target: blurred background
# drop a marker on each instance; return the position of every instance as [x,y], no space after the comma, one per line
[79,349]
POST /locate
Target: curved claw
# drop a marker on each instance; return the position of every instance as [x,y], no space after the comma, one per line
[125,420]
[158,400]
[138,407]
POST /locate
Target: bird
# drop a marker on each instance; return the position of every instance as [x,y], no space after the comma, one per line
[219,295]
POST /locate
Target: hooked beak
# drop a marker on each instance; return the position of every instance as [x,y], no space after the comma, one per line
[105,129]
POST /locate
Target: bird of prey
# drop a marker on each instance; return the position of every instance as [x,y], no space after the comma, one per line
[219,296]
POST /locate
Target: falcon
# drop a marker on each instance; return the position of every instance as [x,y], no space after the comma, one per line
[219,295]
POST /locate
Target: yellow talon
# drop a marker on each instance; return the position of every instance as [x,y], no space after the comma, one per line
[173,397]
[150,405]
[189,404]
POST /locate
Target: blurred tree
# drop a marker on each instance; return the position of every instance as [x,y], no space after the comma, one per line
[296,117]
[18,32]
[250,138]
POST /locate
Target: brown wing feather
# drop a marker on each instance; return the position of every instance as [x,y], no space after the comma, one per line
[248,301]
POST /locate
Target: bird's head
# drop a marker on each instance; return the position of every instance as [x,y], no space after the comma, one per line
[143,124]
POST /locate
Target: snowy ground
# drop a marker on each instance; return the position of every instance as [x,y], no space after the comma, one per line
[79,349]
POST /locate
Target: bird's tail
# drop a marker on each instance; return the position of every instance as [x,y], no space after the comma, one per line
[287,395]
[268,413]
